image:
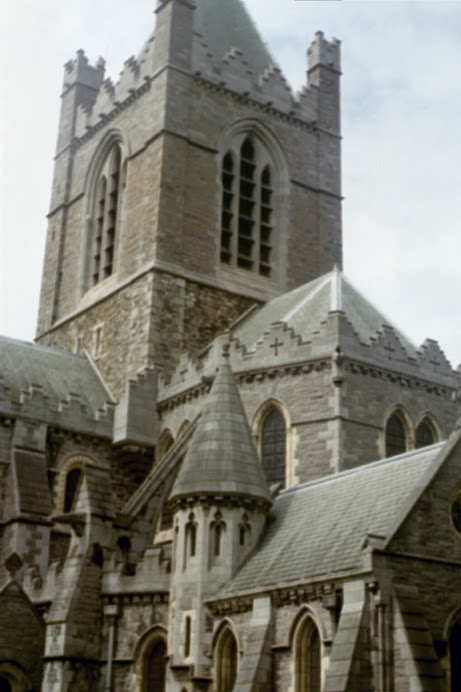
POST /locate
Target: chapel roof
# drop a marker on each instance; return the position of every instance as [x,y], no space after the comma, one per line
[304,309]
[59,374]
[226,24]
[319,528]
[222,458]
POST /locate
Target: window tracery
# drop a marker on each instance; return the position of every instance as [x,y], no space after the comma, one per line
[247,179]
[105,218]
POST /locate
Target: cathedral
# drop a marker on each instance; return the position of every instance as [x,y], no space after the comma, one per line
[221,467]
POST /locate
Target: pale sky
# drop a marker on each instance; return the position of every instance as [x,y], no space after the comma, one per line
[401,124]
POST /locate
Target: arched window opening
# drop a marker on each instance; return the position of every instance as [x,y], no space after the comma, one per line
[273,447]
[154,670]
[70,492]
[227,215]
[424,434]
[217,539]
[226,661]
[187,636]
[5,685]
[247,210]
[265,246]
[106,207]
[246,221]
[244,531]
[396,439]
[190,539]
[307,657]
[165,443]
[455,657]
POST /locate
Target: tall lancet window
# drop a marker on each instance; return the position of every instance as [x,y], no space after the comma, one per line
[247,212]
[273,447]
[106,210]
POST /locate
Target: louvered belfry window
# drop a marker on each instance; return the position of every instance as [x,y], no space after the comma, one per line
[105,219]
[246,209]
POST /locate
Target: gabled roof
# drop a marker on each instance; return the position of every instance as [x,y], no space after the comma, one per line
[222,458]
[58,373]
[319,528]
[226,24]
[306,307]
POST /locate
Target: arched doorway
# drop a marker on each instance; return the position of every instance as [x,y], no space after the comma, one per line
[307,657]
[154,668]
[226,659]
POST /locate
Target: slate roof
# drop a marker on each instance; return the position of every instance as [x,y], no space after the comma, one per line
[59,373]
[226,24]
[319,528]
[306,307]
[222,458]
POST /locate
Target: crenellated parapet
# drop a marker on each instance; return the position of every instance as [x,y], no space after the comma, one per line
[325,53]
[80,71]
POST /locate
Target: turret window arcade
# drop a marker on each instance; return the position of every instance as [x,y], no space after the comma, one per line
[247,213]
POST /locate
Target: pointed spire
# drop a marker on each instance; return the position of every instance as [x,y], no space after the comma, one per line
[222,458]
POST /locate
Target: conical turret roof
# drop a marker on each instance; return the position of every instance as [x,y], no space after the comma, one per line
[222,458]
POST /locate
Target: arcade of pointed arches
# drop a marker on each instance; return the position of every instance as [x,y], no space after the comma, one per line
[401,435]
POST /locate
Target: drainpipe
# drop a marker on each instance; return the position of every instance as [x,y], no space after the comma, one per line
[111,613]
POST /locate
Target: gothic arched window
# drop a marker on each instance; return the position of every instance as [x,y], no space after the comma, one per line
[396,437]
[247,208]
[154,668]
[190,542]
[71,487]
[424,434]
[307,657]
[226,661]
[273,446]
[105,216]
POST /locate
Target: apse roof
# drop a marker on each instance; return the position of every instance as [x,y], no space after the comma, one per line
[58,373]
[222,458]
[226,24]
[319,528]
[306,307]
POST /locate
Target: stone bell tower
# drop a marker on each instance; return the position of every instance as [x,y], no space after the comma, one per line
[193,187]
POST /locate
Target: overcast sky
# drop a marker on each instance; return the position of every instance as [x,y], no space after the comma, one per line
[401,105]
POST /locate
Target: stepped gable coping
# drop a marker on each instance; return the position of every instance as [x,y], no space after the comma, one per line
[24,397]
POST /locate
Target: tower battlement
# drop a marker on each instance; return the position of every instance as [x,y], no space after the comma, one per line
[80,71]
[323,52]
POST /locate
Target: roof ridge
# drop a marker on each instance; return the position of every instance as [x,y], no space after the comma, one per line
[362,468]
